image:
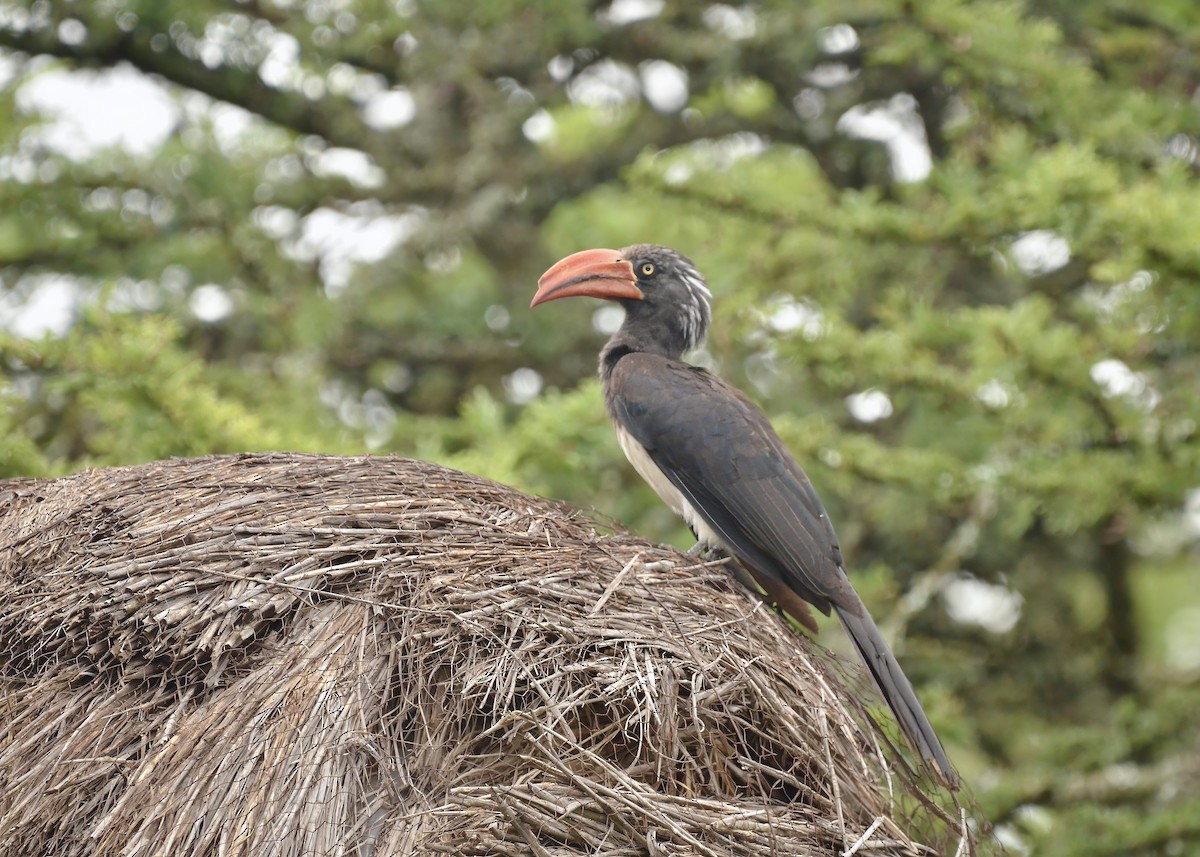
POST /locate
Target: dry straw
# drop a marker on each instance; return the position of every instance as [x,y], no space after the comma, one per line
[304,655]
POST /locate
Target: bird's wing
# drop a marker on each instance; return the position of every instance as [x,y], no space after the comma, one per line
[723,455]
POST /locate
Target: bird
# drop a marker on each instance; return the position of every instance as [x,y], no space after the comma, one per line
[713,456]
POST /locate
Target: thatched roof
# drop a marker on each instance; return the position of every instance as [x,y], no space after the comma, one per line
[305,655]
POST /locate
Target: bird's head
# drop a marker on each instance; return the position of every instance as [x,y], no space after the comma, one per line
[665,298]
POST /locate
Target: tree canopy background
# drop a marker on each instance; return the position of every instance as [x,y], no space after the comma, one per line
[955,248]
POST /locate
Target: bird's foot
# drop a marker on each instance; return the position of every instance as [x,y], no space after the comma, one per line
[698,549]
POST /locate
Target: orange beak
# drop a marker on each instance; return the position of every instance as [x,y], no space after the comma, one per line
[591,273]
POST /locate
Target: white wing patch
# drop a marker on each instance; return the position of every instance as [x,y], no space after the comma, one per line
[664,488]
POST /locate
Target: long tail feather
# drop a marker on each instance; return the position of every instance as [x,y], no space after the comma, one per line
[897,692]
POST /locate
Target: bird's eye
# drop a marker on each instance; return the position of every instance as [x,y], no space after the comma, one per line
[647,269]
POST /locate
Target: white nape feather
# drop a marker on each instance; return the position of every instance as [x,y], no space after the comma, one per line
[697,312]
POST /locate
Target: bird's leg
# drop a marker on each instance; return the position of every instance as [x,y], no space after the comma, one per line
[746,579]
[698,549]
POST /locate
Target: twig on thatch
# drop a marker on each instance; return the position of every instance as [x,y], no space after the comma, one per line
[616,581]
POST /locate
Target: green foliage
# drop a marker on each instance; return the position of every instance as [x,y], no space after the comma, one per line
[1030,309]
[121,388]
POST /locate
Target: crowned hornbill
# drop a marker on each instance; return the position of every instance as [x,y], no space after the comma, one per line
[713,457]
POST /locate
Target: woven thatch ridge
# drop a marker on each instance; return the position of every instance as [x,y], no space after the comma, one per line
[283,654]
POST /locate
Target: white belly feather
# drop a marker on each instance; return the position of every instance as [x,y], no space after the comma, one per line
[648,470]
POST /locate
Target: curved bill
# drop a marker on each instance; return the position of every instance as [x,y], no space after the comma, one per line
[592,273]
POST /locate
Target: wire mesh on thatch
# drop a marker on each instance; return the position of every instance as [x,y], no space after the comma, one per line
[283,654]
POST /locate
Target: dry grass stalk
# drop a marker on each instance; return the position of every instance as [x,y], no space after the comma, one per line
[304,655]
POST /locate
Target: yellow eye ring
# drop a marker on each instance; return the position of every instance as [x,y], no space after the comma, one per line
[647,269]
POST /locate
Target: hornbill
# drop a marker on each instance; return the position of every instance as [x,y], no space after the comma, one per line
[714,458]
